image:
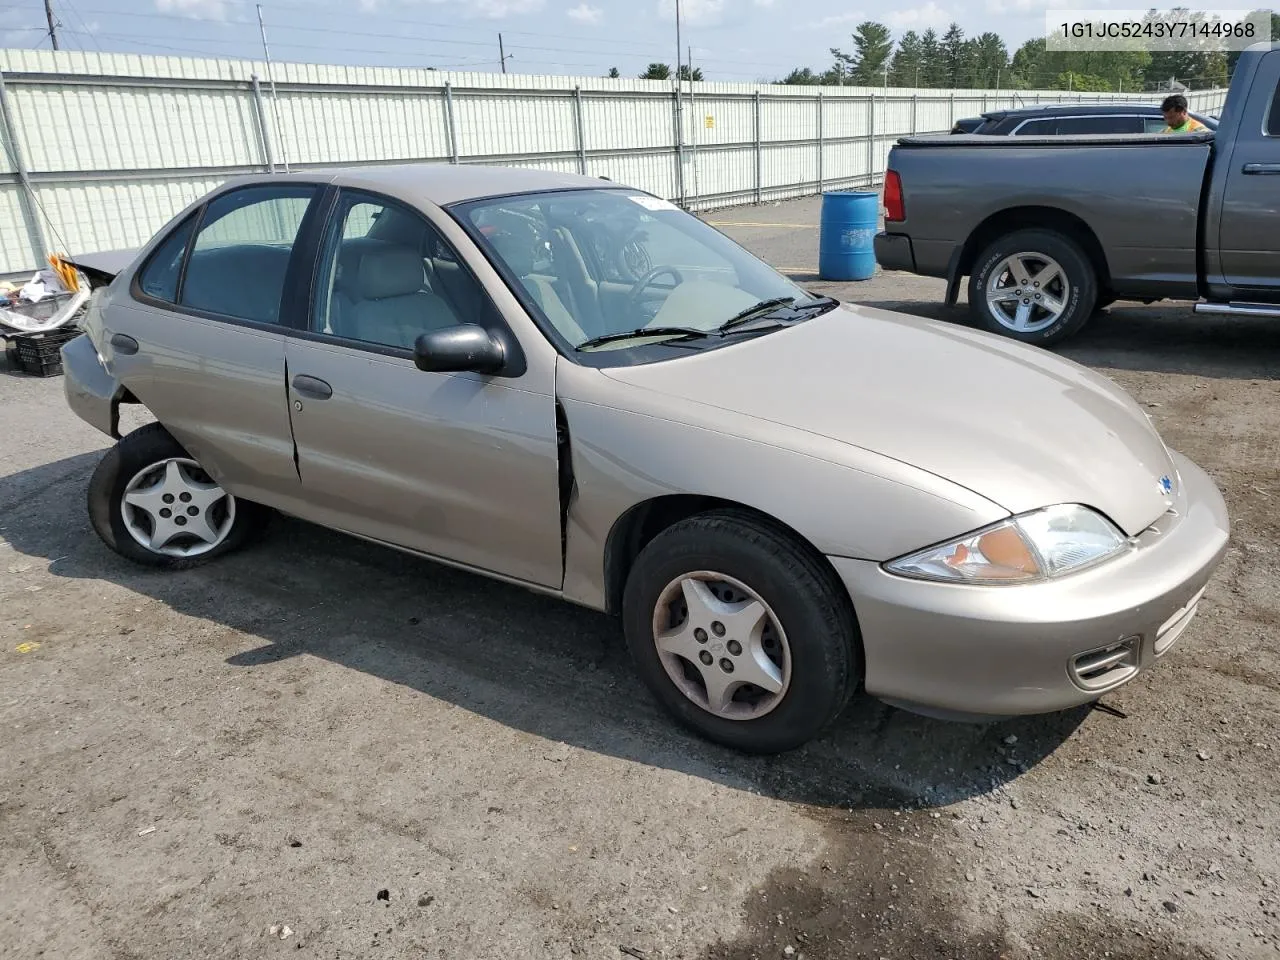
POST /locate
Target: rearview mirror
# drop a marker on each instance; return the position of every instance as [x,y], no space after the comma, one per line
[468,347]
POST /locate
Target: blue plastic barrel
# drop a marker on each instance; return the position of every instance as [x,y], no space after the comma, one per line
[846,241]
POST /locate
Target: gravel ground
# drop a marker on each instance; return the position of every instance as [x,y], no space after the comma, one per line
[321,748]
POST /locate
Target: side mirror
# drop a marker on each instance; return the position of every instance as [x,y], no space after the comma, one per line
[467,347]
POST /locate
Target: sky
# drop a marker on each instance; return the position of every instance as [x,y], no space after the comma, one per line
[736,40]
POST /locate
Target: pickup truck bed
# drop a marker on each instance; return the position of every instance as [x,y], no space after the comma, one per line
[1141,217]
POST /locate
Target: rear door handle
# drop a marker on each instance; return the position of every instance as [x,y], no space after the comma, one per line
[123,343]
[1263,169]
[312,387]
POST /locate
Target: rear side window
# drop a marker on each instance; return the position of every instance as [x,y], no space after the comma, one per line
[159,278]
[242,251]
[1038,128]
[1273,117]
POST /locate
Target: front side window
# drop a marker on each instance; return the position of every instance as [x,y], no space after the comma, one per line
[602,267]
[386,277]
[1088,126]
[1273,115]
[242,251]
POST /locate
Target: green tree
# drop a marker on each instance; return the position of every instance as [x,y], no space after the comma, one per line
[904,69]
[801,77]
[933,69]
[990,60]
[873,44]
[657,71]
[1083,82]
[683,73]
[955,57]
[1036,67]
[613,73]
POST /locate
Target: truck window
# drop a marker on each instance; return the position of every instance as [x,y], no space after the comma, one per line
[1273,116]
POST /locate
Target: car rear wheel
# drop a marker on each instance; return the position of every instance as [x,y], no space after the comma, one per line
[740,633]
[151,502]
[1036,286]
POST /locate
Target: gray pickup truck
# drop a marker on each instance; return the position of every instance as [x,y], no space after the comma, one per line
[1048,229]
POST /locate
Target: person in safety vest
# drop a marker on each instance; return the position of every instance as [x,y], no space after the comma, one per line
[1176,118]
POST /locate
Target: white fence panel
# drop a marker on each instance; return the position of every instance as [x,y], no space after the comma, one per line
[102,149]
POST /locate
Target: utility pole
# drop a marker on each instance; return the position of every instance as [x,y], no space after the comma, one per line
[502,54]
[275,101]
[886,75]
[53,22]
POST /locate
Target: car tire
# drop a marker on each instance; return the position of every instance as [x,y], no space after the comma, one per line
[1074,284]
[139,466]
[809,632]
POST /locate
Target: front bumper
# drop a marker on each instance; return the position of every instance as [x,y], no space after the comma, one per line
[957,649]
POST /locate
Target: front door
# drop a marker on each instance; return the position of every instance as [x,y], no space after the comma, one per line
[460,466]
[199,339]
[1248,235]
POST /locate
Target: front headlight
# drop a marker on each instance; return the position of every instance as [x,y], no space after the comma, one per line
[1034,546]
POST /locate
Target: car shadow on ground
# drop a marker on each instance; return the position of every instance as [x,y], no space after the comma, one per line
[1150,339]
[530,662]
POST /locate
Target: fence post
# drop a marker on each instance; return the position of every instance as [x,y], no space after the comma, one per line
[264,132]
[821,146]
[759,157]
[871,139]
[952,124]
[915,109]
[30,213]
[582,138]
[676,128]
[450,126]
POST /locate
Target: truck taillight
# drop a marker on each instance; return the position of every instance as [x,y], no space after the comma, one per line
[893,206]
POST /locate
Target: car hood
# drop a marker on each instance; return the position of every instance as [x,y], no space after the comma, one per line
[1015,424]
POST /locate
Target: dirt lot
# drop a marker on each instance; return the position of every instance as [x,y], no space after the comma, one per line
[396,760]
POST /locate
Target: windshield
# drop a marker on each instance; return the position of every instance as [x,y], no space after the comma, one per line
[612,269]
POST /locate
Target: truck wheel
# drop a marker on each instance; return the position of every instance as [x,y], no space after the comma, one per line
[740,633]
[152,503]
[1036,286]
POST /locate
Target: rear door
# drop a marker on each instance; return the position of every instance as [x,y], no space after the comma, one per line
[1249,228]
[199,336]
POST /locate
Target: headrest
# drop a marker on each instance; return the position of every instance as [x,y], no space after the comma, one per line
[389,272]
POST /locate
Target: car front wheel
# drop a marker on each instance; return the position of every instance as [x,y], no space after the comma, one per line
[1036,286]
[152,503]
[743,635]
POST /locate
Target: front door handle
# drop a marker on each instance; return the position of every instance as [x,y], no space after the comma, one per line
[312,387]
[123,343]
[1263,169]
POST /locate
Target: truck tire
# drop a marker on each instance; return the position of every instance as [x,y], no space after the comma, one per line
[1036,286]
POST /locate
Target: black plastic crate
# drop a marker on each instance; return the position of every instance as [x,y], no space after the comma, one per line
[40,353]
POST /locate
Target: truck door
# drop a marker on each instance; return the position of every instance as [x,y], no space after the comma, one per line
[1248,236]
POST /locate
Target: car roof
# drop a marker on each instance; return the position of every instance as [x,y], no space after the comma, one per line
[440,183]
[1093,109]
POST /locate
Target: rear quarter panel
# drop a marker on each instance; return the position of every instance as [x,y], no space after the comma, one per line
[1140,196]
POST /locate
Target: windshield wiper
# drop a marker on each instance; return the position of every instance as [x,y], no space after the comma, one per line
[764,306]
[686,332]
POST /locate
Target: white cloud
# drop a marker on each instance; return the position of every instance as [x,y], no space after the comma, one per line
[585,13]
[919,18]
[693,12]
[200,9]
[498,9]
[763,3]
[1017,7]
[839,20]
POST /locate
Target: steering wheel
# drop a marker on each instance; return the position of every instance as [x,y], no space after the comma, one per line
[633,296]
